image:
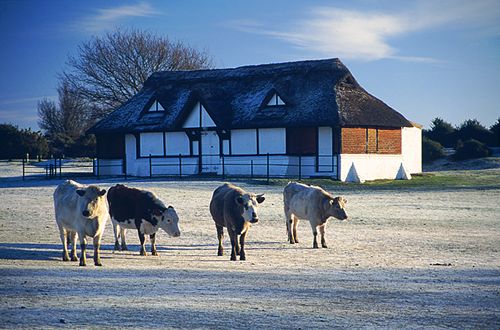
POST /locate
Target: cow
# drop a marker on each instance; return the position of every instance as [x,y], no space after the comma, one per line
[80,210]
[132,208]
[310,203]
[235,209]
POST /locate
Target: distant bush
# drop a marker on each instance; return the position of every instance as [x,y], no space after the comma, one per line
[442,132]
[471,149]
[431,150]
[495,129]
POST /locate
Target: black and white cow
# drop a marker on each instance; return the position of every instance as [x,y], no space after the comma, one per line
[132,208]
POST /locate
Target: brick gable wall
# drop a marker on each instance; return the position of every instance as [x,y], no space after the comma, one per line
[358,140]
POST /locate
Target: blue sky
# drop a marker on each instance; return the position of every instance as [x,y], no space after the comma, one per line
[423,58]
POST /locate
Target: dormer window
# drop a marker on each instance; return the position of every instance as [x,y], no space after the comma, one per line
[155,107]
[275,100]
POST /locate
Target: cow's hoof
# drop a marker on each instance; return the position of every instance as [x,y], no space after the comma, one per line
[143,253]
[324,246]
[315,246]
[65,257]
[124,248]
[233,258]
[74,258]
[292,242]
[154,253]
[243,258]
[296,241]
[220,253]
[83,264]
[99,264]
[117,246]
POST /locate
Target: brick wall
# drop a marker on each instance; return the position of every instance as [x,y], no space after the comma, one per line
[360,140]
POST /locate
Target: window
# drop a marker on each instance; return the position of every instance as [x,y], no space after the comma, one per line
[156,106]
[275,100]
[301,141]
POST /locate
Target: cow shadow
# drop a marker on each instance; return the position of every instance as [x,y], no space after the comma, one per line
[40,252]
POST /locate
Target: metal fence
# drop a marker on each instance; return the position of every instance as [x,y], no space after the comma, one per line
[55,168]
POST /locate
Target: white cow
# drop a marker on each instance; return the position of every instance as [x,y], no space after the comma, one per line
[310,203]
[81,210]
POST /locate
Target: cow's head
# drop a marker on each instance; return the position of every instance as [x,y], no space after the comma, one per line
[249,205]
[90,200]
[335,207]
[168,220]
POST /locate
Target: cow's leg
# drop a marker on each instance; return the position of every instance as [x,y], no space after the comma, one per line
[295,224]
[116,228]
[242,245]
[315,234]
[72,237]
[220,236]
[234,244]
[83,247]
[322,233]
[289,222]
[124,243]
[63,234]
[97,254]
[152,237]
[142,239]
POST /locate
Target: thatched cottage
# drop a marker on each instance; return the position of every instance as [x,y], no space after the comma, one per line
[310,118]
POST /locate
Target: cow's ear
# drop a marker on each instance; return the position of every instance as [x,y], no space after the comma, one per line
[102,192]
[80,192]
[239,200]
[260,198]
[170,207]
[345,200]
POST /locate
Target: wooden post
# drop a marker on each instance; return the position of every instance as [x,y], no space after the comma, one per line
[267,156]
[94,172]
[97,165]
[180,166]
[60,168]
[223,172]
[24,169]
[150,167]
[300,167]
[251,169]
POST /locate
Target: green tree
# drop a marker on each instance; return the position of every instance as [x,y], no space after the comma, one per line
[431,150]
[442,132]
[495,129]
[472,129]
[16,143]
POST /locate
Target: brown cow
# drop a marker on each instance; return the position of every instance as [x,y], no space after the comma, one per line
[235,209]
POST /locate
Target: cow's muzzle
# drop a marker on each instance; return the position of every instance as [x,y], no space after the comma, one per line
[177,234]
[86,213]
[254,220]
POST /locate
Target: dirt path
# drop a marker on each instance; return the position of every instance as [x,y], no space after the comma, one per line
[404,259]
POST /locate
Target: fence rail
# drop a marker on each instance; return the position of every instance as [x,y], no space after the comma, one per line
[241,166]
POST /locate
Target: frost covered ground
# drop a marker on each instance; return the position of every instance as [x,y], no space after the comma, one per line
[412,257]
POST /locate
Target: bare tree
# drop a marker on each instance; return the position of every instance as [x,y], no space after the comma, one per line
[69,118]
[109,70]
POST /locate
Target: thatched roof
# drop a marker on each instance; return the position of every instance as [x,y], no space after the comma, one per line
[316,93]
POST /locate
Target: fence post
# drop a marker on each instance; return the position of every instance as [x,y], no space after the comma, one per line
[251,169]
[267,156]
[97,165]
[124,162]
[180,166]
[93,167]
[60,168]
[300,167]
[223,172]
[24,170]
[150,167]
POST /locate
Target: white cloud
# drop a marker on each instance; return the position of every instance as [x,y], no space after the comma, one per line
[366,35]
[108,17]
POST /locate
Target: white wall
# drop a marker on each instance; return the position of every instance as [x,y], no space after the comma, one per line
[370,166]
[244,141]
[151,144]
[193,120]
[177,143]
[272,141]
[412,149]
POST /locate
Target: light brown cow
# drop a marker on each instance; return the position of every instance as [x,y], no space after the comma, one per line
[310,203]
